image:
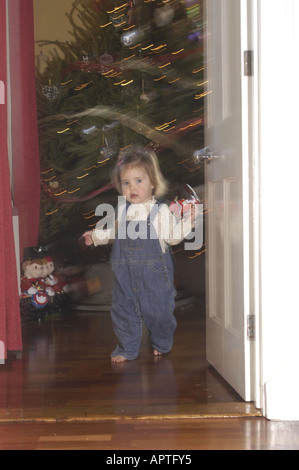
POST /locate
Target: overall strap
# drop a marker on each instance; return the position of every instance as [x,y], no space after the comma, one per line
[152,233]
[154,212]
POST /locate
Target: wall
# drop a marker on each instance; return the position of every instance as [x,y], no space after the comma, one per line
[279,234]
[51,23]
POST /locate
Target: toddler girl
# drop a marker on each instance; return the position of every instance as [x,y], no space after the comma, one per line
[141,260]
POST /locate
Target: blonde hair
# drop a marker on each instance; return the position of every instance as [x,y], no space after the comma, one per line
[143,158]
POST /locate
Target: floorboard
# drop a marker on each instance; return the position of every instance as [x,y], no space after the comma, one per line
[130,437]
[65,373]
[64,393]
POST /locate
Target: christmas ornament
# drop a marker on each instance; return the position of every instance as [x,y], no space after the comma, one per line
[90,130]
[107,152]
[163,16]
[106,59]
[110,146]
[130,38]
[147,96]
[54,184]
[110,127]
[50,91]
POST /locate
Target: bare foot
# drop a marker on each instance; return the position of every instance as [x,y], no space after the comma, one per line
[157,353]
[118,359]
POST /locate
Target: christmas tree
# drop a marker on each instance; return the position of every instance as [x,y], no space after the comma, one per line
[133,73]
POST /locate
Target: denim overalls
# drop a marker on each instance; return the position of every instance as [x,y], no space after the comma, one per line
[143,289]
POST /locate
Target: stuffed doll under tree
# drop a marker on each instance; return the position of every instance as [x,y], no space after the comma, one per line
[50,277]
[41,290]
[32,286]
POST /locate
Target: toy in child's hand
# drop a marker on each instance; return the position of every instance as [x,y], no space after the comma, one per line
[81,242]
[85,240]
[180,206]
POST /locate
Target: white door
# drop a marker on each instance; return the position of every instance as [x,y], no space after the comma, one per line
[227,194]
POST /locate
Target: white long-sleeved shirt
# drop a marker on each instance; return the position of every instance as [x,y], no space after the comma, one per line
[169,229]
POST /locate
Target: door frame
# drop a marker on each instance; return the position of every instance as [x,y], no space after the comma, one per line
[273,176]
[254,224]
[277,162]
[273,100]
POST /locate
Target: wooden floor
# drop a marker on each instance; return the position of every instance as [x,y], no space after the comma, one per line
[65,393]
[158,436]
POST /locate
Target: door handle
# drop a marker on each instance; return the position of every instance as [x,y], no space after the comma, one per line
[204,156]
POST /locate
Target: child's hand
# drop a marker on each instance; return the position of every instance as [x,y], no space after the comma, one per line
[87,237]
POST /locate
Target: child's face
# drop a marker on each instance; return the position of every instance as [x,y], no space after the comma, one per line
[136,185]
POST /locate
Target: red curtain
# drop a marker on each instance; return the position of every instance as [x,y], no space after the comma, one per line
[26,173]
[10,330]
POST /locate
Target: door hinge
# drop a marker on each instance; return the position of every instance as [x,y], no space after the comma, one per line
[248,64]
[250,327]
